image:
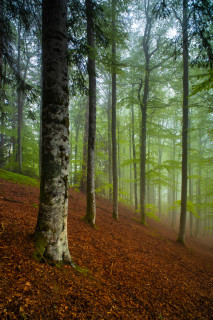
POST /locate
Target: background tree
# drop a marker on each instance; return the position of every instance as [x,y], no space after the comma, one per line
[91,207]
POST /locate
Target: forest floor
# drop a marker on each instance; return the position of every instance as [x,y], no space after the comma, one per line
[129,271]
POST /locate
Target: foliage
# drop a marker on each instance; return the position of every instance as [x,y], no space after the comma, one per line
[191,207]
[18,178]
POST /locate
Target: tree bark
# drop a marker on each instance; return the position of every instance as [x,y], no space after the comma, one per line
[76,153]
[19,103]
[1,97]
[51,230]
[114,143]
[84,160]
[109,116]
[134,158]
[182,227]
[91,206]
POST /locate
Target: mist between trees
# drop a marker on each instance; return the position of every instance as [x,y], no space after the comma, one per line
[140,82]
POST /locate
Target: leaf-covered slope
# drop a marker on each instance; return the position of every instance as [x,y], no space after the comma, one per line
[130,271]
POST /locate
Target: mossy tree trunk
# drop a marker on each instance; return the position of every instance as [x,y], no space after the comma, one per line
[51,230]
[91,205]
[1,91]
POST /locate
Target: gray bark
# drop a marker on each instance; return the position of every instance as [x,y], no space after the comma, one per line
[51,230]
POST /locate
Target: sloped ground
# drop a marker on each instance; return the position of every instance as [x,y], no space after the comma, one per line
[133,272]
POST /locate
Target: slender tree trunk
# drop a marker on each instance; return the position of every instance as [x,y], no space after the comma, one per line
[182,228]
[20,106]
[51,230]
[159,171]
[134,157]
[198,200]
[198,191]
[84,160]
[114,143]
[91,206]
[76,153]
[130,169]
[190,183]
[173,222]
[143,164]
[149,189]
[109,116]
[143,105]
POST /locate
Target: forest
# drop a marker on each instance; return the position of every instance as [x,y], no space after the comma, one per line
[147,111]
[106,115]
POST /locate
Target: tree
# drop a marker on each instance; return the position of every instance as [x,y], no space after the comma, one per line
[51,230]
[84,160]
[148,53]
[114,145]
[181,235]
[91,206]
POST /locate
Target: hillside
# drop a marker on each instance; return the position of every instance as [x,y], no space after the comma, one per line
[129,271]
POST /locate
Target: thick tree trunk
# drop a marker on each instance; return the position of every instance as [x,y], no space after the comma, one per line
[2,117]
[182,228]
[84,160]
[1,98]
[91,206]
[51,230]
[114,143]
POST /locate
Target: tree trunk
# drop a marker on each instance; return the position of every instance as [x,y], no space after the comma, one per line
[1,91]
[84,160]
[159,172]
[134,157]
[143,135]
[182,228]
[51,230]
[173,221]
[114,144]
[109,116]
[91,206]
[19,103]
[190,182]
[130,169]
[76,153]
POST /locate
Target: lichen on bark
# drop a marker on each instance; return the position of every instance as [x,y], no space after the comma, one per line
[51,240]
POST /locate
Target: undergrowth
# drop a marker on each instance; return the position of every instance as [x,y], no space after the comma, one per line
[18,178]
